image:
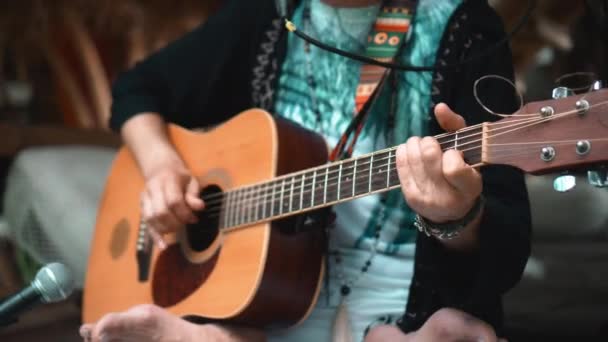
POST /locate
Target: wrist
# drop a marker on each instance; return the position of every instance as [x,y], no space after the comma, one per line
[448,230]
[160,158]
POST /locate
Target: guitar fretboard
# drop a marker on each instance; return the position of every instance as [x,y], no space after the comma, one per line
[329,184]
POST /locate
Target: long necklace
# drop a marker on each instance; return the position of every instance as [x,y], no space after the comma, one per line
[342,328]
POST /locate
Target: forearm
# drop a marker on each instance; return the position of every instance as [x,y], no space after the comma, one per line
[147,137]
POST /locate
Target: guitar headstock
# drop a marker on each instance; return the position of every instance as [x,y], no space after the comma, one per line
[551,135]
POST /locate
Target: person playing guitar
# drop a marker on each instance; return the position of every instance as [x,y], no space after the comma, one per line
[449,281]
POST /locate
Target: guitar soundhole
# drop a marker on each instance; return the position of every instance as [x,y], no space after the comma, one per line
[202,234]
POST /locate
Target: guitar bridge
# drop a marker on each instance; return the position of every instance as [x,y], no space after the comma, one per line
[143,252]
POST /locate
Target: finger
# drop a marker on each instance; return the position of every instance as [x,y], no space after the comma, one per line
[447,119]
[460,175]
[147,213]
[164,220]
[408,185]
[176,203]
[193,195]
[416,164]
[432,158]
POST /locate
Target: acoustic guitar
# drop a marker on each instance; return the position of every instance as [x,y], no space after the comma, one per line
[256,257]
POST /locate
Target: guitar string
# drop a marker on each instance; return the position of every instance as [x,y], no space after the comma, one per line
[365,176]
[332,193]
[295,179]
[491,129]
[251,188]
[391,149]
[248,211]
[333,171]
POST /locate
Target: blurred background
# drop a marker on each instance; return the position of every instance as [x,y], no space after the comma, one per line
[58,60]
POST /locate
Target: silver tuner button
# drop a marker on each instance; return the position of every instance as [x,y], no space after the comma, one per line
[561,92]
[597,85]
[583,147]
[564,183]
[582,107]
[546,111]
[547,153]
[598,178]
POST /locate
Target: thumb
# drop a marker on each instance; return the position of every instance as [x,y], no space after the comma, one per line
[193,195]
[447,119]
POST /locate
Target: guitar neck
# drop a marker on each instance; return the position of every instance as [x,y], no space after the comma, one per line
[331,184]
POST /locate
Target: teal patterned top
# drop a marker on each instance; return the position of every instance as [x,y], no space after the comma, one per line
[335,80]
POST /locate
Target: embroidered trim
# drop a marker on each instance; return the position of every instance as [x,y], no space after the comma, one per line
[265,68]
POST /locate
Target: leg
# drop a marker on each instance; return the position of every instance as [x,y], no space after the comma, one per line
[149,323]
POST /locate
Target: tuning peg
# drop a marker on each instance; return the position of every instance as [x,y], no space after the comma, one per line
[564,183]
[598,178]
[561,92]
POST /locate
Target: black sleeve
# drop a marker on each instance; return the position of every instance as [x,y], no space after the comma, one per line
[207,65]
[475,282]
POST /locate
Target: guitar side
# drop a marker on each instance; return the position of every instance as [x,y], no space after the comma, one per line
[258,276]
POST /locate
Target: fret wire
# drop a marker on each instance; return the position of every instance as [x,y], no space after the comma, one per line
[354,176]
[265,192]
[325,187]
[339,181]
[246,206]
[302,191]
[227,222]
[272,199]
[388,169]
[257,203]
[371,168]
[291,193]
[238,214]
[235,213]
[281,200]
[250,204]
[225,210]
[312,196]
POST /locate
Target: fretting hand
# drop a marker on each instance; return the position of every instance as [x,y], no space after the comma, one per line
[437,185]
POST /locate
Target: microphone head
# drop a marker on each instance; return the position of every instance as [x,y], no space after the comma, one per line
[54,282]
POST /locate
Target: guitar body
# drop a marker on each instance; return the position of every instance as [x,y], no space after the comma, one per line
[266,274]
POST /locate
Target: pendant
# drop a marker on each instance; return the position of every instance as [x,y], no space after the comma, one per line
[342,330]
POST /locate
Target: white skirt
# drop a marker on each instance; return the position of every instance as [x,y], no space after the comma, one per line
[378,297]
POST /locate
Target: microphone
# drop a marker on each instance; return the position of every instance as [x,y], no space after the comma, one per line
[53,283]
